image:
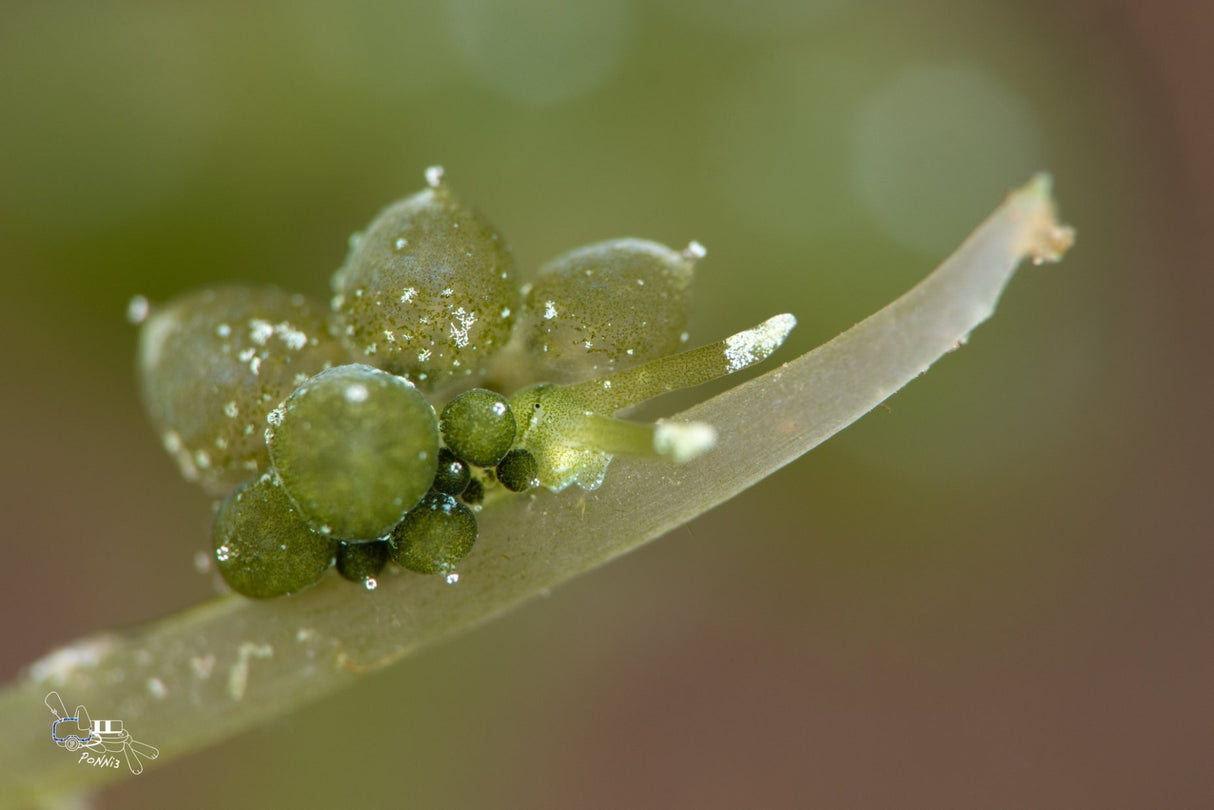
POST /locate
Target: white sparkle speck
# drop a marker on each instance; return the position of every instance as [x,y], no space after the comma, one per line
[549,310]
[434,176]
[408,294]
[357,393]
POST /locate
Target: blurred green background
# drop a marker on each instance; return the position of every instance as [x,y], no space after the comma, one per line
[992,593]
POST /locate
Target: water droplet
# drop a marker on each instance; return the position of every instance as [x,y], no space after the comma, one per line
[157,689]
[137,310]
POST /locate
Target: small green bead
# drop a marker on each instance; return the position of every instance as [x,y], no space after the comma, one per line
[606,307]
[213,363]
[518,471]
[434,536]
[262,546]
[428,291]
[474,493]
[355,448]
[362,562]
[479,426]
[453,475]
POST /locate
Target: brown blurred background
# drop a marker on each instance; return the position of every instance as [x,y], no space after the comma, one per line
[994,593]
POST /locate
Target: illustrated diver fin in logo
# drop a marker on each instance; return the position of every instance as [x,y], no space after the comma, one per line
[74,732]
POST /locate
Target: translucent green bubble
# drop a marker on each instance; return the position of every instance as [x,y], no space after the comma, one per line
[355,448]
[606,307]
[263,548]
[428,291]
[213,363]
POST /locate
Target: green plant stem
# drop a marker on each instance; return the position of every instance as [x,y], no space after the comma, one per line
[225,666]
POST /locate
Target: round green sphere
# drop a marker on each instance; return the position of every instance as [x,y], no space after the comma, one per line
[355,448]
[606,307]
[518,471]
[427,291]
[434,536]
[262,546]
[479,426]
[474,493]
[362,562]
[453,475]
[214,363]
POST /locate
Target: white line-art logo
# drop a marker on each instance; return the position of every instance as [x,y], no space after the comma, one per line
[98,741]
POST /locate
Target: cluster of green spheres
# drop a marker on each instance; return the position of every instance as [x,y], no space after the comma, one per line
[369,432]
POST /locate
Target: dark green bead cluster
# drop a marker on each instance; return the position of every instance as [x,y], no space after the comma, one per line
[321,431]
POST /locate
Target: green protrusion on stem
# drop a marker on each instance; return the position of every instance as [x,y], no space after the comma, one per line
[573,436]
[684,370]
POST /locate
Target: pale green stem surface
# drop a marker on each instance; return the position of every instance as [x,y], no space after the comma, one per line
[225,666]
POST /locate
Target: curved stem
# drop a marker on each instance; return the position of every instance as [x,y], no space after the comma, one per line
[225,666]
